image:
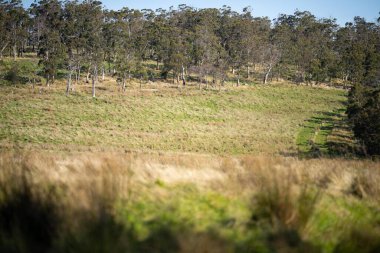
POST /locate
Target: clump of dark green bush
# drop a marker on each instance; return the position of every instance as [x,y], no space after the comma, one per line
[364,114]
[20,72]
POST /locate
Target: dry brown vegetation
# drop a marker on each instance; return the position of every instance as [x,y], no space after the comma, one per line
[231,174]
[283,196]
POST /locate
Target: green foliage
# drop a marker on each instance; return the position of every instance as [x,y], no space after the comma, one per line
[19,72]
[363,111]
[185,41]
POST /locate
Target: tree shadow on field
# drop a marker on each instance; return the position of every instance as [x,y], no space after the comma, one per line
[32,223]
[328,135]
[28,223]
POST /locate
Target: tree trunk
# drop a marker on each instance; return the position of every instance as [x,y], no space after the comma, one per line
[123,84]
[88,76]
[48,80]
[68,86]
[14,52]
[76,77]
[78,74]
[2,50]
[183,76]
[248,72]
[94,79]
[265,81]
[103,74]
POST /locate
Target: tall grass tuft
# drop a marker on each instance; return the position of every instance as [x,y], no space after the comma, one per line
[29,219]
[282,208]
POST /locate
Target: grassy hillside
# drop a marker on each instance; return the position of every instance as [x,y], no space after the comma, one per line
[161,168]
[254,119]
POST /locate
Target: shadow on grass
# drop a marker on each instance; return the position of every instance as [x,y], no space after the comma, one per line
[327,135]
[30,223]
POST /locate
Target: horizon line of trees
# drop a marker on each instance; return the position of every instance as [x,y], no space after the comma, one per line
[84,38]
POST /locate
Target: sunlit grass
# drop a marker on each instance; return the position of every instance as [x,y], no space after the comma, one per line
[257,119]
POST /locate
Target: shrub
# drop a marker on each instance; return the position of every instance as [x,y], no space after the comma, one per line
[282,207]
[363,111]
[12,75]
[19,72]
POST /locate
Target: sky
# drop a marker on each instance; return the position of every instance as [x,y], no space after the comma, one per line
[343,10]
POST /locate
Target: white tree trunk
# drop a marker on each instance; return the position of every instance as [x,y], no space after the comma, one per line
[2,50]
[183,76]
[94,78]
[14,51]
[123,88]
[48,80]
[68,86]
[265,81]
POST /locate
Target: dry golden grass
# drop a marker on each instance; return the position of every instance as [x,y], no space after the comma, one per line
[197,202]
[93,170]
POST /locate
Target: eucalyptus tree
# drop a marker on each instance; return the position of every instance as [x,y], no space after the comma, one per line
[207,49]
[358,47]
[111,28]
[72,37]
[92,15]
[125,59]
[324,62]
[238,37]
[270,57]
[14,22]
[176,46]
[306,45]
[260,44]
[175,57]
[4,27]
[157,27]
[52,51]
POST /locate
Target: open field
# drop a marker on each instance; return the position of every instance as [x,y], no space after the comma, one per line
[252,119]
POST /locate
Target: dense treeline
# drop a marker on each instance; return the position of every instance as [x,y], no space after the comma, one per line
[364,114]
[81,36]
